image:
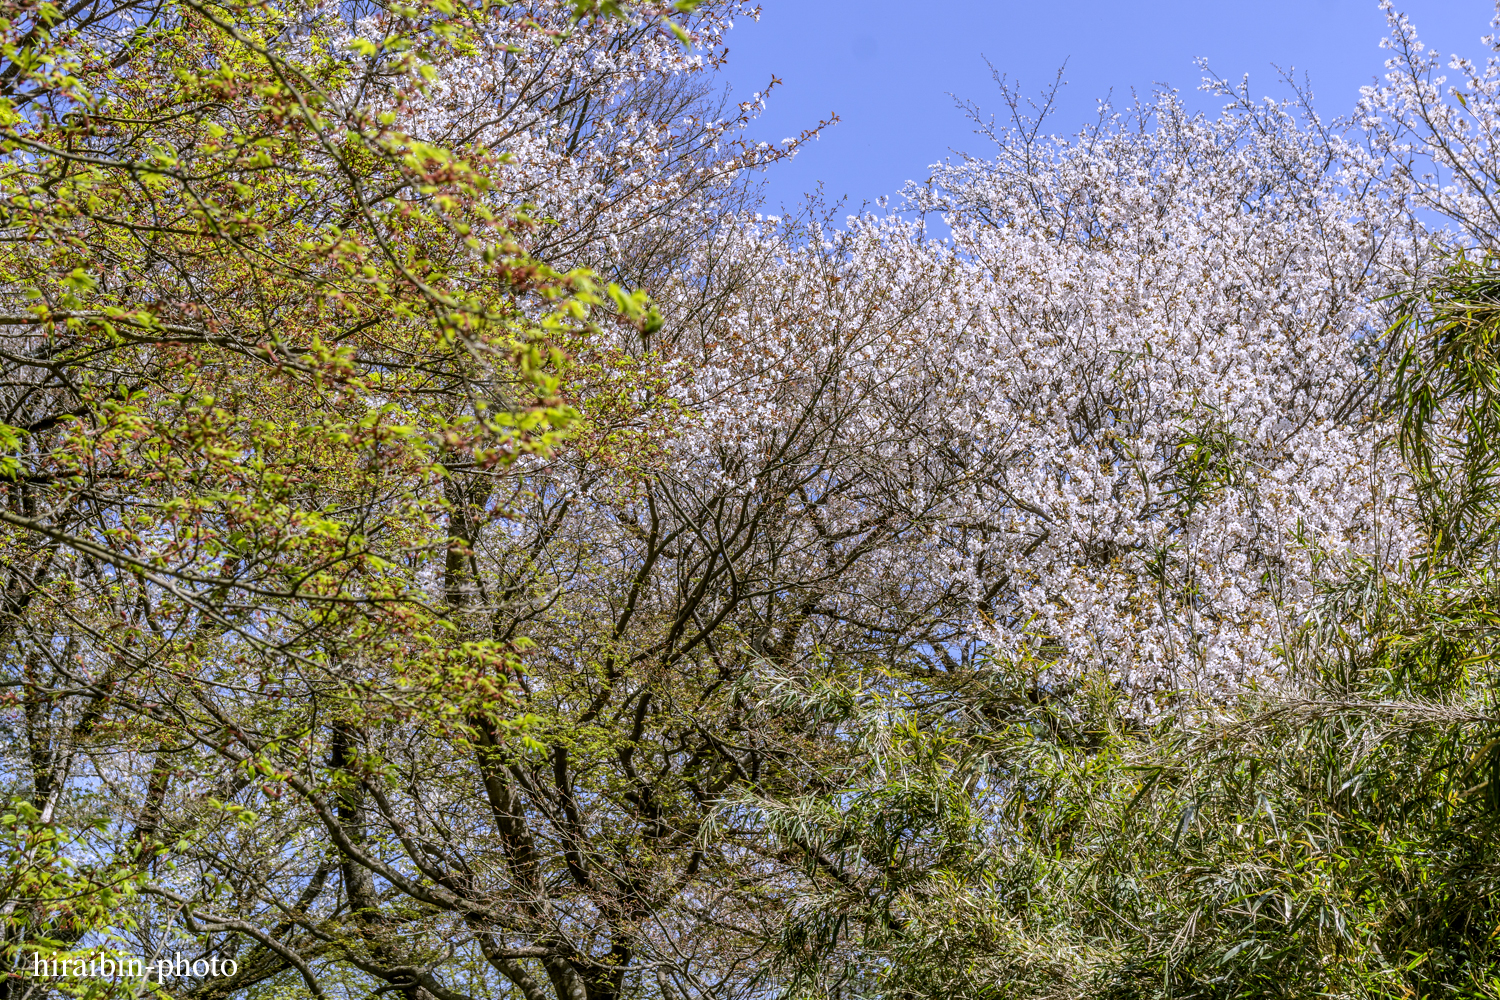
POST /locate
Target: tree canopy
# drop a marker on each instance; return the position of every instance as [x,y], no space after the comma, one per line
[454,546]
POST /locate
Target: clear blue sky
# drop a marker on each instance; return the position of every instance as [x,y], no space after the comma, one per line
[887,68]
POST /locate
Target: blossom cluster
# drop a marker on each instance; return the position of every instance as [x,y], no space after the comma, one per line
[1122,420]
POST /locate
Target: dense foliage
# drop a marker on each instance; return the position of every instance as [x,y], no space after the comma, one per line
[453,547]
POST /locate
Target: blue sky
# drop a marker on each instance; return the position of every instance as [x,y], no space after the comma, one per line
[887,68]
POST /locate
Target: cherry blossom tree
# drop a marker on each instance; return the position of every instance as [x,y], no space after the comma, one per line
[1314,420]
